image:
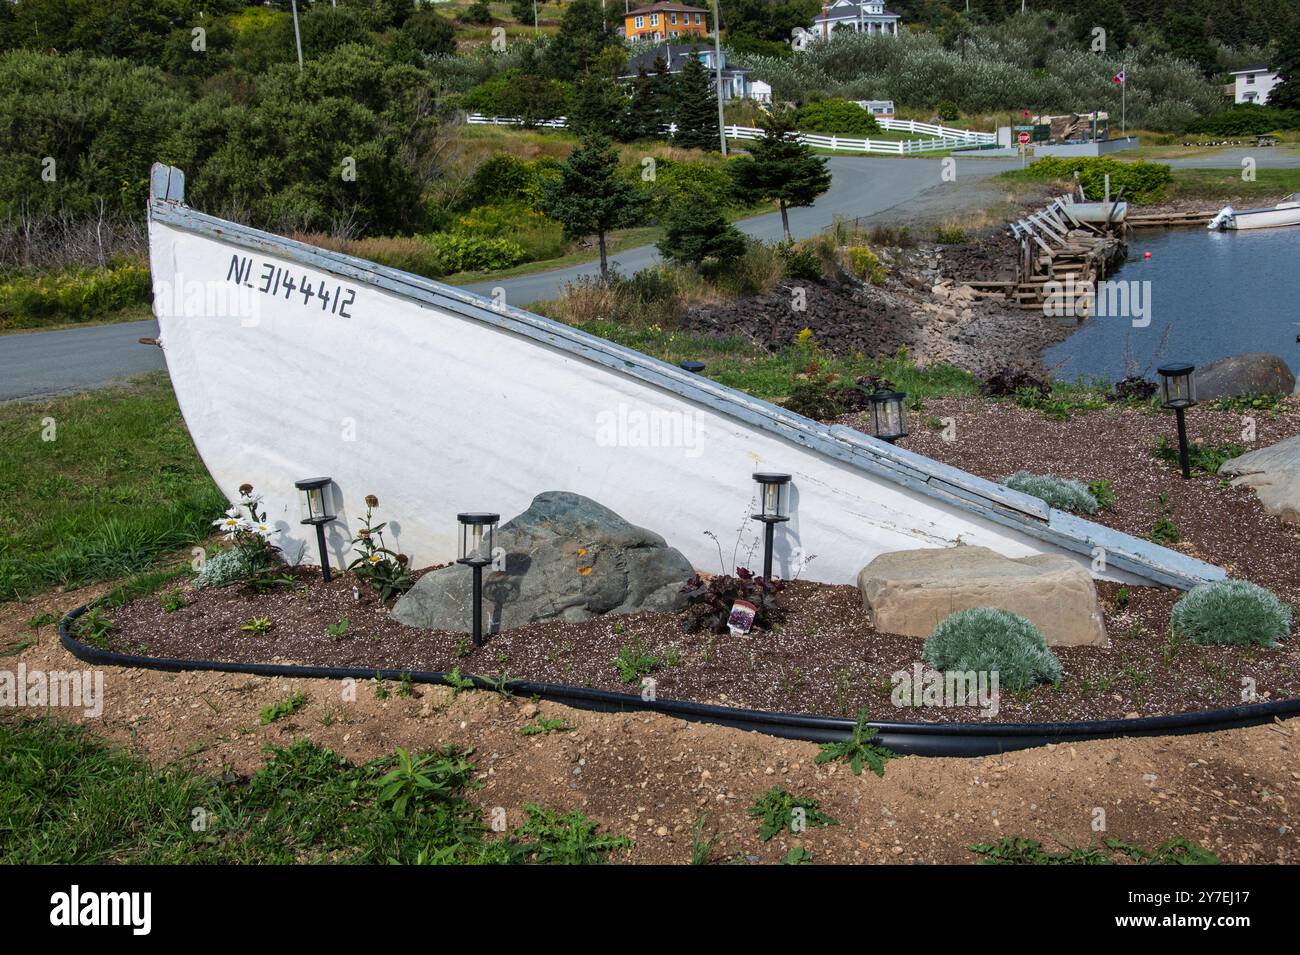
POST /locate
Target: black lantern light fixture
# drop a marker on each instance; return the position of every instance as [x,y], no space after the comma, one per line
[311,497]
[888,415]
[773,509]
[1177,394]
[695,367]
[477,535]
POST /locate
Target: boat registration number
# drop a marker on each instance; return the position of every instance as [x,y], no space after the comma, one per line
[270,279]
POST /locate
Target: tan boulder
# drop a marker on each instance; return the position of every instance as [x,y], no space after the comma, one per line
[911,591]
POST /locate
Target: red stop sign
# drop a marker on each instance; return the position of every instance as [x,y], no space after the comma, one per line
[1024,138]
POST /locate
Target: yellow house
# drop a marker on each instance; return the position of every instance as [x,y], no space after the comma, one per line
[665,21]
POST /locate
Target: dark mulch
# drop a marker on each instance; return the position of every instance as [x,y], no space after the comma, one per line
[827,658]
[842,319]
[990,258]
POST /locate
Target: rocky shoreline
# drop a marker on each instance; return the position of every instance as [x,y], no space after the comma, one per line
[922,306]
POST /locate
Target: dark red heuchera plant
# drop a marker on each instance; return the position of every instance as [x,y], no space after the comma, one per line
[709,601]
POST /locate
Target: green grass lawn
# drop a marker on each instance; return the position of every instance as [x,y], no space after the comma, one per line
[118,488]
[67,798]
[1222,184]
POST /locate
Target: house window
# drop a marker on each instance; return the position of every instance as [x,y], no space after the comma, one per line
[699,18]
[1250,79]
[672,18]
[654,19]
[640,23]
[673,34]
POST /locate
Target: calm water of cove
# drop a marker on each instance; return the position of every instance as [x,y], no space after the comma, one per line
[1213,294]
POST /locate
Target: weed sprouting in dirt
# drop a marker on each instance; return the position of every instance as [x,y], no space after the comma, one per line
[777,809]
[858,751]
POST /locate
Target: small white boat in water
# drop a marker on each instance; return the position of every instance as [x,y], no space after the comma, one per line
[1286,212]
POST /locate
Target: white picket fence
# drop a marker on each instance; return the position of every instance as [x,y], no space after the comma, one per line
[941,137]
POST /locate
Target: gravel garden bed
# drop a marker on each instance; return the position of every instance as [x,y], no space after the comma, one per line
[826,657]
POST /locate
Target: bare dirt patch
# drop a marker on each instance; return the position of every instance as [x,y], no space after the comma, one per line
[650,776]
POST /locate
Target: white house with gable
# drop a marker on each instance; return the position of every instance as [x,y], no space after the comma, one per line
[860,16]
[1253,85]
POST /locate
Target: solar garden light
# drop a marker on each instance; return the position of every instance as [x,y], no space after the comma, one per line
[476,536]
[692,366]
[311,496]
[774,508]
[888,415]
[1177,394]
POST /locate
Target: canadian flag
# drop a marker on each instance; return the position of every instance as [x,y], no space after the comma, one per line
[1120,77]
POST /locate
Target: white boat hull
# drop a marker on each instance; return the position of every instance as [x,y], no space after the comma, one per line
[438,403]
[1284,214]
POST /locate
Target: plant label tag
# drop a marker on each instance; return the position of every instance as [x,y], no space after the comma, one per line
[741,620]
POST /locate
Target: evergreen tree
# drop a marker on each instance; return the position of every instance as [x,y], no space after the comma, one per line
[584,35]
[1286,95]
[697,108]
[523,11]
[698,231]
[599,106]
[644,108]
[589,197]
[780,168]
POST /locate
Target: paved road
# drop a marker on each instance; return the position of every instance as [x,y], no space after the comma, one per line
[861,186]
[42,363]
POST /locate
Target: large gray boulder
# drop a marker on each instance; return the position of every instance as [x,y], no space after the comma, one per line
[1274,473]
[910,591]
[1251,373]
[566,557]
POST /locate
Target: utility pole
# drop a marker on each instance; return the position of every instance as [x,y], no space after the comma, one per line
[297,34]
[717,72]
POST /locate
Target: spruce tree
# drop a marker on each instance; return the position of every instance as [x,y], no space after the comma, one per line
[779,168]
[1286,94]
[589,197]
[698,231]
[697,108]
[644,108]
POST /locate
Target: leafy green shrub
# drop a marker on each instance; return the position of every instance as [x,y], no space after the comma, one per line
[818,398]
[463,253]
[1065,494]
[987,639]
[1247,119]
[505,178]
[866,264]
[1143,182]
[74,296]
[1234,612]
[102,121]
[836,117]
[247,149]
[687,182]
[802,262]
[951,235]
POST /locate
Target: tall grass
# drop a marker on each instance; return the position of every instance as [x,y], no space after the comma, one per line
[119,487]
[31,301]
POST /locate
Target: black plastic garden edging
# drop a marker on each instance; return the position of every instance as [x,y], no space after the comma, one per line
[910,739]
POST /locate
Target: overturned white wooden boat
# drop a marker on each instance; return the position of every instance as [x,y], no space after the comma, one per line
[291,361]
[1286,212]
